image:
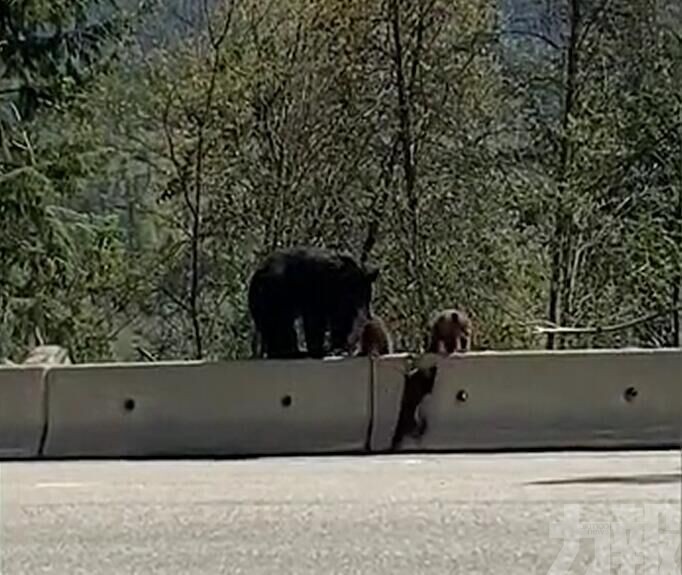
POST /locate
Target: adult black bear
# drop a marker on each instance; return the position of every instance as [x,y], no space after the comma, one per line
[328,290]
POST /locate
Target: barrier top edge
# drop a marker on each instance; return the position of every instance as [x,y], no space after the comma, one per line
[402,356]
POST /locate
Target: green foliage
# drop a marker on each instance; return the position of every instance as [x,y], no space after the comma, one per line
[477,167]
[58,272]
[50,48]
[58,267]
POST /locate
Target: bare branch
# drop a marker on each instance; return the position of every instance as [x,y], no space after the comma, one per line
[207,18]
[174,298]
[379,201]
[597,15]
[607,328]
[226,27]
[145,354]
[194,205]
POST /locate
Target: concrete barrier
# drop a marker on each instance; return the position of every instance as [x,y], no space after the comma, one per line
[208,409]
[539,400]
[22,412]
[388,385]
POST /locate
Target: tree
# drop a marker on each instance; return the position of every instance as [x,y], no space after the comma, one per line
[520,168]
[51,282]
[590,112]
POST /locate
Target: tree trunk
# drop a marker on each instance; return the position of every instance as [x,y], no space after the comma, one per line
[560,275]
[408,149]
[677,279]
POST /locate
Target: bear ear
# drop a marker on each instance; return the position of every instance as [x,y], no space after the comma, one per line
[371,273]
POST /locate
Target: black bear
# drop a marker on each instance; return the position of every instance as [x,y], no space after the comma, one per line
[419,383]
[328,290]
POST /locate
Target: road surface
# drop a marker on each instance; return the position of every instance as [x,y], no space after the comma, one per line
[399,515]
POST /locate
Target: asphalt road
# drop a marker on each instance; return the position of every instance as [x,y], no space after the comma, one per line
[395,515]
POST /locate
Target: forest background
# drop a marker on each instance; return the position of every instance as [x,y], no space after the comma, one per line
[521,159]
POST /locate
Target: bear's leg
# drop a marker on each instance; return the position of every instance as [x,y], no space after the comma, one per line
[342,324]
[279,339]
[464,343]
[314,327]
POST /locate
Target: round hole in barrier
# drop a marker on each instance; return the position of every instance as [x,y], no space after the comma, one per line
[630,394]
[129,404]
[286,401]
[462,396]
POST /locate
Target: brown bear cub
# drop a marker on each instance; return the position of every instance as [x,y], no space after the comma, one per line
[373,339]
[451,331]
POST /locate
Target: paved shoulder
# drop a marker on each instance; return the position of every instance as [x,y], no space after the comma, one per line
[395,514]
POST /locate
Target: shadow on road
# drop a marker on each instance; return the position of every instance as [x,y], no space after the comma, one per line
[642,479]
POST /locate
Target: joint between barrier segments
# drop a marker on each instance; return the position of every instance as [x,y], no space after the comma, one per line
[372,402]
[45,411]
